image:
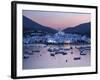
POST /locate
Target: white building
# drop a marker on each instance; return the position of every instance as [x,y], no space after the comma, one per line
[61,37]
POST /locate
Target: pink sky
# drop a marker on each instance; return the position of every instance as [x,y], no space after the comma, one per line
[57,20]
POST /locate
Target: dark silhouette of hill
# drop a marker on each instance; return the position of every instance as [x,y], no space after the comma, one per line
[83,29]
[29,25]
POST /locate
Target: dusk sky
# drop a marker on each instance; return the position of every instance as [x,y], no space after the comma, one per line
[57,20]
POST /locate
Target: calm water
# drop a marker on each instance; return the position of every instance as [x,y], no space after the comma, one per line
[36,56]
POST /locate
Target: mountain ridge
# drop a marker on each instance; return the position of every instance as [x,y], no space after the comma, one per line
[29,24]
[80,29]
